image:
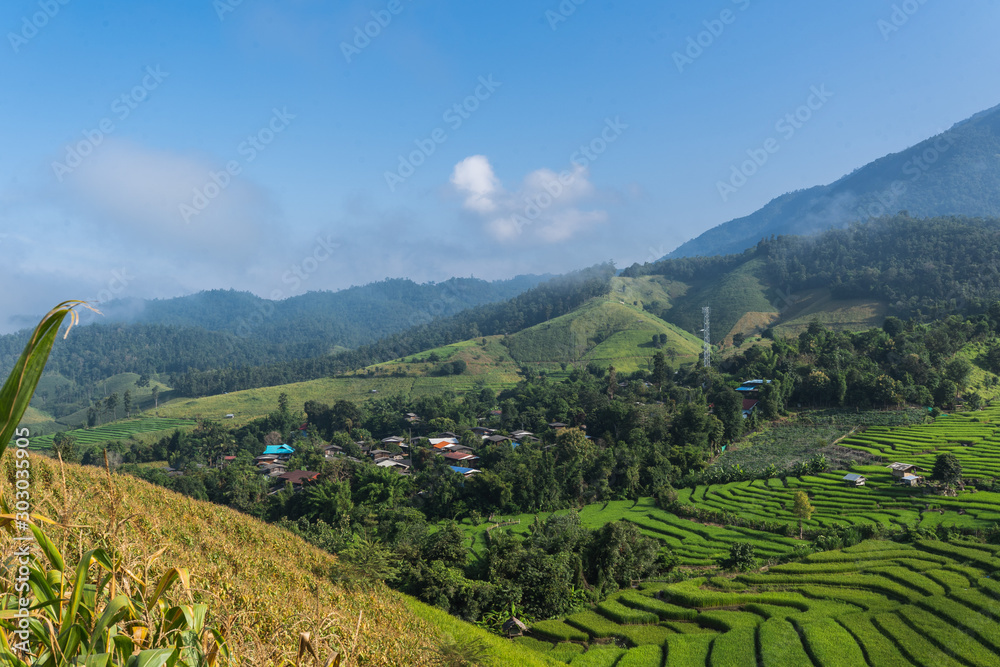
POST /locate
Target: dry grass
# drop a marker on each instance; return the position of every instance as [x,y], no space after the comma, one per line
[264,585]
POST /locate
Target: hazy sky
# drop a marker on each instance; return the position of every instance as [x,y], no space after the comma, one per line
[152,149]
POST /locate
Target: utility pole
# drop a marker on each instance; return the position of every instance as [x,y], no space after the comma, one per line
[707,355]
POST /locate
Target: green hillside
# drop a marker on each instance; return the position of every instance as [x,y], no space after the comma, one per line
[605,330]
[263,584]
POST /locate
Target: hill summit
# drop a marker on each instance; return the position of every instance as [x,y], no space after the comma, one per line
[956,172]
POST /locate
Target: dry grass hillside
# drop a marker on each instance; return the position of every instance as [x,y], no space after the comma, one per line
[263,584]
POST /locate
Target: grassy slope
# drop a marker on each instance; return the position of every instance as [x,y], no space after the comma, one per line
[269,584]
[730,296]
[817,305]
[608,330]
[602,330]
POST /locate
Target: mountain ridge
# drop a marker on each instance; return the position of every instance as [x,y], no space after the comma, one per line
[955,172]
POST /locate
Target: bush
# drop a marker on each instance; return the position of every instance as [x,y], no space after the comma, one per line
[741,556]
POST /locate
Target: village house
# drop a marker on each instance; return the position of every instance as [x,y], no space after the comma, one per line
[853,479]
[401,466]
[901,470]
[298,478]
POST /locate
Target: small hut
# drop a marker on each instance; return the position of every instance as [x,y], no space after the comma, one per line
[514,627]
[853,479]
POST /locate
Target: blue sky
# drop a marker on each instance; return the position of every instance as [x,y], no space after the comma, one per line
[152,149]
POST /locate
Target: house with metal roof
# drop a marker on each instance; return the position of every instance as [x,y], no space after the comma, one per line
[853,479]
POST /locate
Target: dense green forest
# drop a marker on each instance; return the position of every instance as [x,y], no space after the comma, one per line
[921,268]
[550,299]
[221,331]
[953,173]
[311,324]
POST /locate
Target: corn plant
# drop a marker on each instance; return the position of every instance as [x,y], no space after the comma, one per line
[99,614]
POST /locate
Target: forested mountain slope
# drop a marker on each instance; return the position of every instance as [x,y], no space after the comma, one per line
[954,173]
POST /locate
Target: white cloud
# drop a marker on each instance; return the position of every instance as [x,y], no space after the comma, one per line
[474,176]
[546,208]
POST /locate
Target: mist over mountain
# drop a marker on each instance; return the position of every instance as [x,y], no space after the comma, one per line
[956,172]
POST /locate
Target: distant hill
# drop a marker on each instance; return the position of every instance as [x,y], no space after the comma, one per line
[954,173]
[314,322]
[222,329]
[849,278]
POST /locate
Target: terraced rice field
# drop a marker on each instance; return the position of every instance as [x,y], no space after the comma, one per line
[973,437]
[117,431]
[880,501]
[878,603]
[694,543]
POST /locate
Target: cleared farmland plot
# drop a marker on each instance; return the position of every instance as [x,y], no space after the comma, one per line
[120,430]
[877,603]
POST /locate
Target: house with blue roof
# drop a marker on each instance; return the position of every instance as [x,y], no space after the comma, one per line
[464,472]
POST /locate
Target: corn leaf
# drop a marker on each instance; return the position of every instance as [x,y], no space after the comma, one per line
[50,550]
[168,578]
[20,385]
[154,657]
[113,612]
[78,585]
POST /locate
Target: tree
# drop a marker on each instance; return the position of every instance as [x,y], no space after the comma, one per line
[659,369]
[112,404]
[947,469]
[64,446]
[143,381]
[802,508]
[127,403]
[742,556]
[958,370]
[612,381]
[156,396]
[739,339]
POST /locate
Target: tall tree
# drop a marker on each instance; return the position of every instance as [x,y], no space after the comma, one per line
[112,403]
[802,508]
[127,403]
[947,469]
[156,396]
[64,445]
